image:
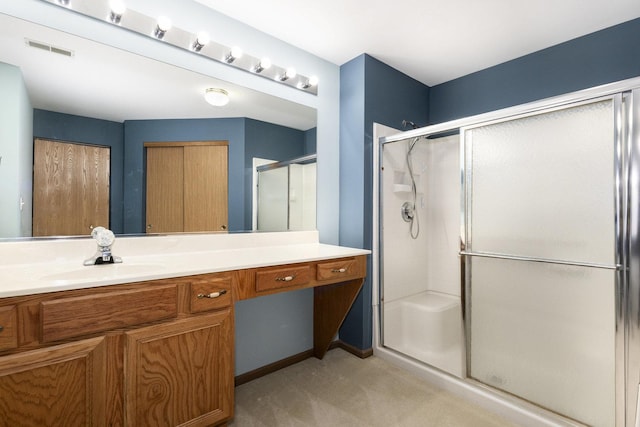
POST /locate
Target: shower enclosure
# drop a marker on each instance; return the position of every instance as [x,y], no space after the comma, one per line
[508,256]
[284,196]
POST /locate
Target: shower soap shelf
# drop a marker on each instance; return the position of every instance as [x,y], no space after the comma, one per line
[401,188]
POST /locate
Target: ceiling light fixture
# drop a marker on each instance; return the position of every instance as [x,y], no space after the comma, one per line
[118,8]
[162,26]
[312,81]
[114,11]
[216,97]
[233,54]
[289,74]
[201,41]
[264,64]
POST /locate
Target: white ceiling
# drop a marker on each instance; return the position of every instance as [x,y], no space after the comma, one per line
[432,41]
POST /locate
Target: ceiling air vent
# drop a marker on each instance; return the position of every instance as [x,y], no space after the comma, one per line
[49,48]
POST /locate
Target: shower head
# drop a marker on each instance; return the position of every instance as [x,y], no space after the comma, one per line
[407,123]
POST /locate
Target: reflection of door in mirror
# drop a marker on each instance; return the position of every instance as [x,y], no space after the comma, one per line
[187,186]
[71,188]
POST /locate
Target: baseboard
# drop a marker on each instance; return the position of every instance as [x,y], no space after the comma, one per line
[362,354]
[296,358]
[272,367]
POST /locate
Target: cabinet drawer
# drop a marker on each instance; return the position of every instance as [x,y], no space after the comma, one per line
[341,269]
[75,316]
[282,277]
[210,294]
[8,327]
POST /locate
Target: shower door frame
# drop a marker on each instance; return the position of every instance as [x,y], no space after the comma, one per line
[621,156]
[626,98]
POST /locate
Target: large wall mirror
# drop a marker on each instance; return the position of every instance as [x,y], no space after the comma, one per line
[83,92]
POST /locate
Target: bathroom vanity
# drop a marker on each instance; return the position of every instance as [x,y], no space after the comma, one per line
[147,342]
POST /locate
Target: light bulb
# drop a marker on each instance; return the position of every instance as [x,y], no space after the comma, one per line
[118,8]
[234,54]
[202,39]
[163,25]
[264,64]
[288,74]
[312,81]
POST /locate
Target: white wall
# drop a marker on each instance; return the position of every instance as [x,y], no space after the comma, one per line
[16,154]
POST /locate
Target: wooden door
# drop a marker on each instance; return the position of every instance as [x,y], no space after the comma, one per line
[70,188]
[187,186]
[180,372]
[205,188]
[55,386]
[165,188]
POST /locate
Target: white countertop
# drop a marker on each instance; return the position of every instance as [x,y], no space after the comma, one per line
[32,267]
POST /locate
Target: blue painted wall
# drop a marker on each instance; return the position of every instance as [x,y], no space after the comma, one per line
[371,91]
[137,132]
[66,127]
[602,57]
[247,138]
[311,141]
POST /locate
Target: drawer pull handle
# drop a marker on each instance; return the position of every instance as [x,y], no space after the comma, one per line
[339,270]
[213,294]
[1,328]
[285,279]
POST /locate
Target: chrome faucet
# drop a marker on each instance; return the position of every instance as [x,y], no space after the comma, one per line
[105,239]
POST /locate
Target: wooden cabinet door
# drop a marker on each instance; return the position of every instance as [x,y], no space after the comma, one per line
[180,372]
[165,186]
[55,386]
[70,188]
[205,188]
[187,186]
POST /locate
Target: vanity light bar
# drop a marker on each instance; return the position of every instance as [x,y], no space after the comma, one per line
[198,44]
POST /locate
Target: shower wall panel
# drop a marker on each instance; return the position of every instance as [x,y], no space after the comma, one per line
[404,265]
[430,262]
[421,307]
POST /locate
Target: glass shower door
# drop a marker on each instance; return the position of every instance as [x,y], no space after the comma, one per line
[542,277]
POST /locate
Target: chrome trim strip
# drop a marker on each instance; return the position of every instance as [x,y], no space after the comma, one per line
[465,240]
[297,161]
[616,267]
[381,248]
[633,272]
[620,209]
